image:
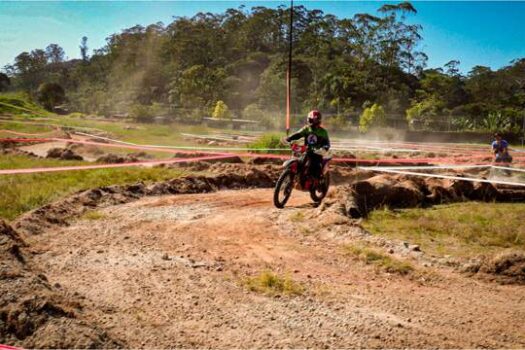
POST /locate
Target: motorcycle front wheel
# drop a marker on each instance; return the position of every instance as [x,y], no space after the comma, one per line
[283,189]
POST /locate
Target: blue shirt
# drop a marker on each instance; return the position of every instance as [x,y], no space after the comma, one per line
[499,147]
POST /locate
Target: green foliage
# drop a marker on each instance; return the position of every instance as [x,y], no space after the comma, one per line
[197,86]
[496,121]
[50,95]
[337,122]
[191,116]
[5,82]
[267,119]
[236,57]
[270,283]
[425,112]
[19,104]
[221,111]
[268,141]
[21,193]
[463,229]
[141,113]
[462,123]
[372,116]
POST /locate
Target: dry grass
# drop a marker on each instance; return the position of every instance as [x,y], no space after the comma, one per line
[298,216]
[270,283]
[382,261]
[93,215]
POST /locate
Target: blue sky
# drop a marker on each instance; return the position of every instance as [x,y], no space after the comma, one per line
[490,33]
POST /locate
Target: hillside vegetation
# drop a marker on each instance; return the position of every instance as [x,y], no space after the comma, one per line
[237,60]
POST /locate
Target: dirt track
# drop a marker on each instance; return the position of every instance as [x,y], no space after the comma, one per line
[167,271]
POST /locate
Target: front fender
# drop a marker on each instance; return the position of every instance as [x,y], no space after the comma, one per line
[291,164]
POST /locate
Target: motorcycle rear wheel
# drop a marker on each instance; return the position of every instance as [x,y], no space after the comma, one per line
[317,193]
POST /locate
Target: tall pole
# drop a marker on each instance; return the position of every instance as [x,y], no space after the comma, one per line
[289,72]
[523,126]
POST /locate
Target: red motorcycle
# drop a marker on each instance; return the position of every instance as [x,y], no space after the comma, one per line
[296,175]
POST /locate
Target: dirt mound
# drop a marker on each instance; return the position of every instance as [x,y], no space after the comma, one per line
[33,313]
[264,160]
[141,155]
[506,267]
[111,158]
[388,190]
[187,155]
[19,152]
[401,191]
[10,243]
[96,139]
[63,154]
[5,145]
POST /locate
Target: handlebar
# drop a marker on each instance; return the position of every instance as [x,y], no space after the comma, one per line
[301,149]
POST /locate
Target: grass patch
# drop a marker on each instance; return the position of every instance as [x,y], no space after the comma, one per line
[23,127]
[298,216]
[22,162]
[93,215]
[461,229]
[24,192]
[270,283]
[20,104]
[384,262]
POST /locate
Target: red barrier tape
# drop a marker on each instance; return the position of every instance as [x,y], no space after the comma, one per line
[142,148]
[26,134]
[219,155]
[7,347]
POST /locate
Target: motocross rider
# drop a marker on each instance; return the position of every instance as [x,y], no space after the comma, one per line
[315,138]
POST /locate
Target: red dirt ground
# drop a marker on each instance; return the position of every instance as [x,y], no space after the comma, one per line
[168,271]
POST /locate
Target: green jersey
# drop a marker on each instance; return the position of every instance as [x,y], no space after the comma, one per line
[314,137]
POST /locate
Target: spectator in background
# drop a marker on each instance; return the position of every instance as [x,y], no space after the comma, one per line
[500,148]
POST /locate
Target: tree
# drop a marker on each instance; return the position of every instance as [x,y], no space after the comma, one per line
[54,53]
[425,113]
[4,82]
[29,68]
[452,67]
[84,49]
[221,111]
[51,95]
[372,116]
[198,86]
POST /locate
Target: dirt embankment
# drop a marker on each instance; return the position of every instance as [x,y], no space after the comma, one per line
[33,312]
[401,191]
